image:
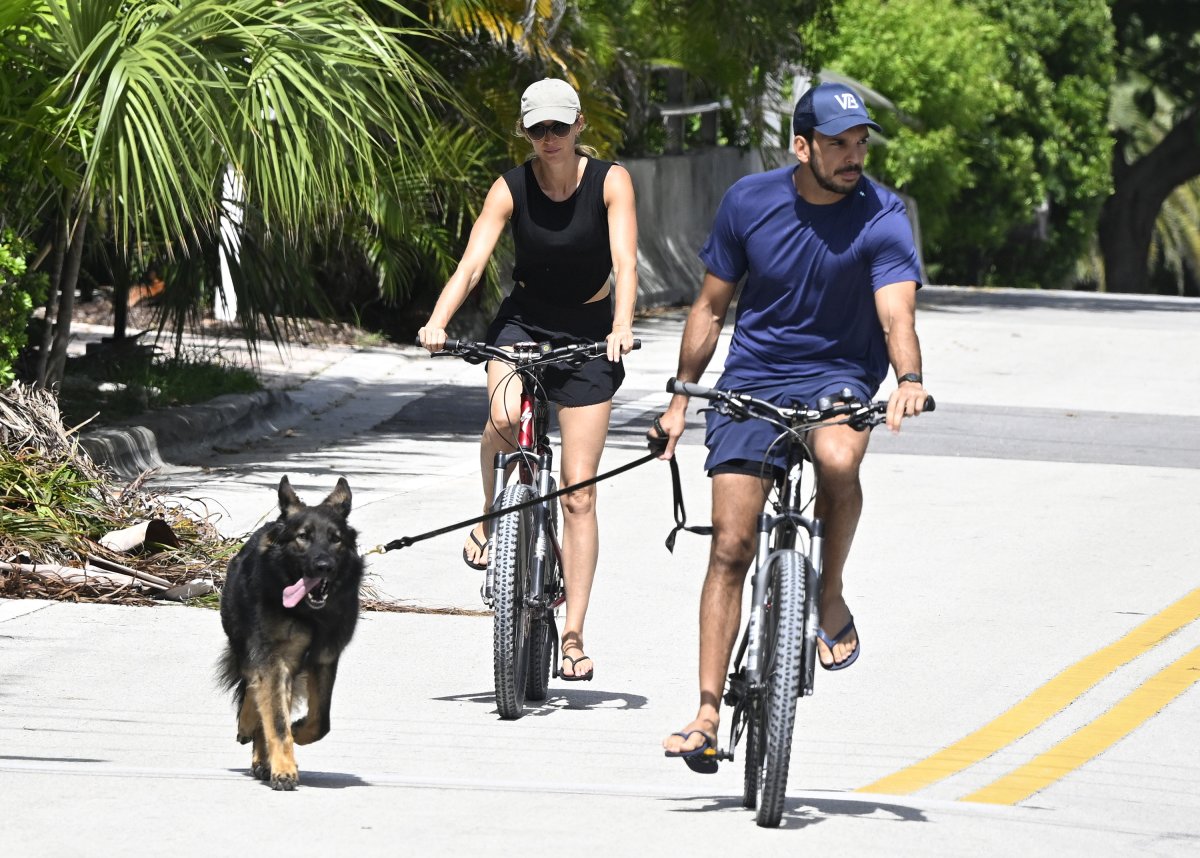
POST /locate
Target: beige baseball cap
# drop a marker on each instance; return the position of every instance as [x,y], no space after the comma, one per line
[549,99]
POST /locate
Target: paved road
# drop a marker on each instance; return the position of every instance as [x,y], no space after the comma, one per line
[1024,581]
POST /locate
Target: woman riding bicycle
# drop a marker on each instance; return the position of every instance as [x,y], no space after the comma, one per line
[573,225]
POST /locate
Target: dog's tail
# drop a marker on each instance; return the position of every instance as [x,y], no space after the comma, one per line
[229,674]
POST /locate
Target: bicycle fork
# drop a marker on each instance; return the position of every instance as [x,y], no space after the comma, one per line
[785,525]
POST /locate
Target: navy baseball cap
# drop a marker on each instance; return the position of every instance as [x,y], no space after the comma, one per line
[830,108]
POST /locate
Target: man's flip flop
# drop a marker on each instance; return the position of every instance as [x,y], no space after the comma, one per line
[482,547]
[702,759]
[836,639]
[576,677]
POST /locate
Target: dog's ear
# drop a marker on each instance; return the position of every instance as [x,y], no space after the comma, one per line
[339,498]
[288,501]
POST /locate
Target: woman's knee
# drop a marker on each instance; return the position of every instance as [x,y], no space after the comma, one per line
[581,502]
[502,422]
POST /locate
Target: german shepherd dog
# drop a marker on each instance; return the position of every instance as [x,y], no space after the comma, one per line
[289,608]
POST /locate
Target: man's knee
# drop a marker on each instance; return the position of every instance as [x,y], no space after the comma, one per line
[838,463]
[732,550]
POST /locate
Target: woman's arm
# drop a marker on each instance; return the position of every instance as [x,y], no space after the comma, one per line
[497,209]
[622,239]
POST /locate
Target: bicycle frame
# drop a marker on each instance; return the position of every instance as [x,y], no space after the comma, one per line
[534,460]
[778,533]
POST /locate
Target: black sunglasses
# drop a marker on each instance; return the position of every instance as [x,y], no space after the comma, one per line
[558,129]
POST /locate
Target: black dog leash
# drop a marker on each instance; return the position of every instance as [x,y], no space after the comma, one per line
[657,446]
[677,493]
[405,541]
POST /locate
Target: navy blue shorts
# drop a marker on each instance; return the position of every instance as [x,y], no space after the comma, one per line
[741,447]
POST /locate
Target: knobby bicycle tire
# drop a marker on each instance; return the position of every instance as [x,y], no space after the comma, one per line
[755,729]
[511,554]
[785,646]
[541,648]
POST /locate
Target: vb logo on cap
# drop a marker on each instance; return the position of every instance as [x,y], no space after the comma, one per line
[830,108]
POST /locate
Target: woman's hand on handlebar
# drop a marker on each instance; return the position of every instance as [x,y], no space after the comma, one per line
[620,342]
[432,338]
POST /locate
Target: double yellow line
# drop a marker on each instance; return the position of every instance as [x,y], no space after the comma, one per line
[1044,703]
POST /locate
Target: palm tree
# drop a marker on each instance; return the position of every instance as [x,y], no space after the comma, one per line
[134,110]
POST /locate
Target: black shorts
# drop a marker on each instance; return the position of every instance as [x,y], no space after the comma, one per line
[749,467]
[588,384]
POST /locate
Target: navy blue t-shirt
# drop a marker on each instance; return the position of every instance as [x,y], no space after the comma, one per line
[807,309]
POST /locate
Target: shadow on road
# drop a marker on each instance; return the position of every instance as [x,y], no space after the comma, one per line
[559,699]
[801,813]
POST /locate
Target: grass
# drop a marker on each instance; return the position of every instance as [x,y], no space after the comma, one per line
[110,388]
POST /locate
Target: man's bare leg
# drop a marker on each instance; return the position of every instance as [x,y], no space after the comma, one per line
[737,501]
[838,451]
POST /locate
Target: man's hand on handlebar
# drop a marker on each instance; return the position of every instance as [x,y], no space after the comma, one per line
[907,400]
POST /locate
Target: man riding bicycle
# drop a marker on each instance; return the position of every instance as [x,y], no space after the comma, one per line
[829,301]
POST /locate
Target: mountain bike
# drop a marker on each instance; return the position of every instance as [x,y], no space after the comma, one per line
[524,580]
[776,659]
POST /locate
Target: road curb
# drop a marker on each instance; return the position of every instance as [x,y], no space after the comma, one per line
[178,435]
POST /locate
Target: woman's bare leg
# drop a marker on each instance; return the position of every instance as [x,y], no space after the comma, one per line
[499,436]
[584,430]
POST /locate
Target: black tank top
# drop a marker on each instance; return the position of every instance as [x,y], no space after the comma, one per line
[562,251]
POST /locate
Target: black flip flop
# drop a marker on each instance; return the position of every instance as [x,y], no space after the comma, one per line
[703,759]
[482,547]
[582,677]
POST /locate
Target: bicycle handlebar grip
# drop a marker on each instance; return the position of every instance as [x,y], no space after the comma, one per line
[449,346]
[930,405]
[687,388]
[601,346]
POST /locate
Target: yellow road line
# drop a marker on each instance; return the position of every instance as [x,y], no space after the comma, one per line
[1042,704]
[1114,725]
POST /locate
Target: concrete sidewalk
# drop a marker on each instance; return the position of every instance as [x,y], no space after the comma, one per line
[986,565]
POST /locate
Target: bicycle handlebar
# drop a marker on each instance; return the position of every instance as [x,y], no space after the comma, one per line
[525,354]
[741,406]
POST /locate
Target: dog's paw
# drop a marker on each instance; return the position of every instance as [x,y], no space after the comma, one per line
[306,731]
[262,771]
[285,782]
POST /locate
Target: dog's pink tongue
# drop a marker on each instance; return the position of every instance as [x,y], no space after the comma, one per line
[293,594]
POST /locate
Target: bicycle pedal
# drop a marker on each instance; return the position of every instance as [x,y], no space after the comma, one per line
[722,756]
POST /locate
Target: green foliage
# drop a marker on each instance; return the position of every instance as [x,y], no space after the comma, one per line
[1155,99]
[118,387]
[20,291]
[1001,114]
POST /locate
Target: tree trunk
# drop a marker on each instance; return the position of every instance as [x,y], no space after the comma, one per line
[61,238]
[57,364]
[1139,191]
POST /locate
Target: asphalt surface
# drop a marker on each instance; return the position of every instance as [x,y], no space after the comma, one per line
[1024,581]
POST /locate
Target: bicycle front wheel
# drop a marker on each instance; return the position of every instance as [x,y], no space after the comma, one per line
[783,630]
[511,557]
[541,647]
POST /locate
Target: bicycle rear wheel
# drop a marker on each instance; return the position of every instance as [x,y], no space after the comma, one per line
[541,647]
[511,555]
[784,638]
